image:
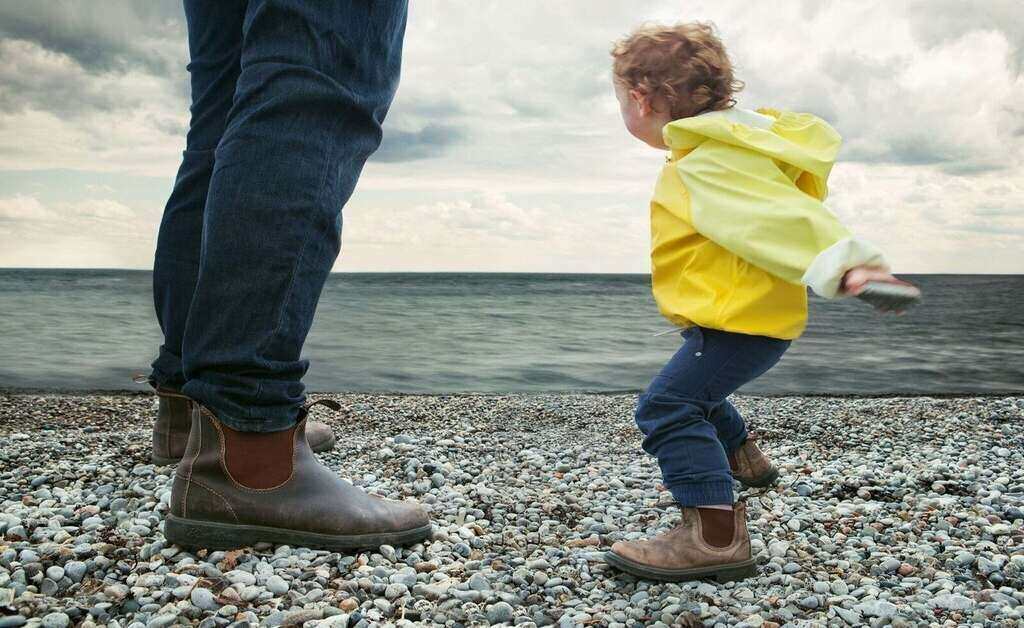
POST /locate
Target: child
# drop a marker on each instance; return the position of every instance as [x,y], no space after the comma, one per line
[738,231]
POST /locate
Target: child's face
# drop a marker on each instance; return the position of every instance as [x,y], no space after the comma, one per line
[642,120]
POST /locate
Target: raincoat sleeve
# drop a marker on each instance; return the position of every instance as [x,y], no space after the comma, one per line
[742,201]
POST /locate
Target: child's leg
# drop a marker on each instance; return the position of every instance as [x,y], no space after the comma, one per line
[750,466]
[730,426]
[674,412]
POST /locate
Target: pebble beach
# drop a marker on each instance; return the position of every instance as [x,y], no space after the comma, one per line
[889,511]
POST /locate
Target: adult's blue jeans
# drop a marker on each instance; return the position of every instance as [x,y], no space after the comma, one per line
[288,97]
[687,422]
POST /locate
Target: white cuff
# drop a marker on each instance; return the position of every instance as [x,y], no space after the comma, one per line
[826,271]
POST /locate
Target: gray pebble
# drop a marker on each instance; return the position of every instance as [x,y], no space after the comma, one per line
[499,613]
[890,565]
[204,599]
[965,559]
[511,481]
[875,608]
[75,570]
[276,585]
[395,590]
[478,582]
[952,602]
[56,620]
[162,621]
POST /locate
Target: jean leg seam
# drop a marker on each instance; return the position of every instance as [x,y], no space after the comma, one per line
[294,273]
[281,314]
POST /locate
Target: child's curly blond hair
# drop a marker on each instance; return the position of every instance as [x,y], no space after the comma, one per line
[685,66]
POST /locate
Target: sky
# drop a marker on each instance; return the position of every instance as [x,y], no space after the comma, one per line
[504,150]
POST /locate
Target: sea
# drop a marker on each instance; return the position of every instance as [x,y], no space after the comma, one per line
[513,333]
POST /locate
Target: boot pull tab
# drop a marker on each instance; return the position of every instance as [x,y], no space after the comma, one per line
[330,403]
[142,378]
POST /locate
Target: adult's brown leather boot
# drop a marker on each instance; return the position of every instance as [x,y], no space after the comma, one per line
[234,489]
[174,419]
[707,543]
[170,430]
[751,467]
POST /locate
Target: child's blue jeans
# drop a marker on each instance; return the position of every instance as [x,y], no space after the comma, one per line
[288,97]
[688,424]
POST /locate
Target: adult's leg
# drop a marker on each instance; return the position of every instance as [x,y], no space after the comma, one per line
[215,44]
[316,81]
[673,412]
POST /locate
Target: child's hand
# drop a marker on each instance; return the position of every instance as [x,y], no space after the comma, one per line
[856,279]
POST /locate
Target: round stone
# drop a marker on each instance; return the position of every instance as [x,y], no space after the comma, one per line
[277,585]
[500,613]
[56,620]
[478,582]
[75,570]
[204,599]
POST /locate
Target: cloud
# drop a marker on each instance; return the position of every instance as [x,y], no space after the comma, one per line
[940,22]
[34,78]
[485,230]
[24,209]
[118,36]
[950,100]
[430,141]
[88,233]
[929,221]
[28,213]
[505,140]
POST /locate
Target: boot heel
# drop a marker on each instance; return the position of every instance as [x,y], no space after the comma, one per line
[767,480]
[736,573]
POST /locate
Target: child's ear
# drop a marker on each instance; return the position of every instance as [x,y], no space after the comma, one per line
[640,100]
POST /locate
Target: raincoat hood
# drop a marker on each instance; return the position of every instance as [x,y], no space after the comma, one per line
[801,140]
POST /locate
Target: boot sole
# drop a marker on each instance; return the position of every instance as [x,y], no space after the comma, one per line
[764,481]
[721,573]
[196,534]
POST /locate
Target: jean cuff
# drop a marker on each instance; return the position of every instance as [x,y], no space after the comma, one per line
[167,372]
[232,414]
[703,494]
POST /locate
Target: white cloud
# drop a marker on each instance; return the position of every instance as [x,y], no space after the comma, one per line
[87,234]
[24,209]
[56,113]
[504,151]
[486,231]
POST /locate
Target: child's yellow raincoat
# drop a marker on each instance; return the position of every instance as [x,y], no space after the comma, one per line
[738,228]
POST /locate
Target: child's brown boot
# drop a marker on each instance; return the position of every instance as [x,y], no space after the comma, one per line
[751,467]
[707,543]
